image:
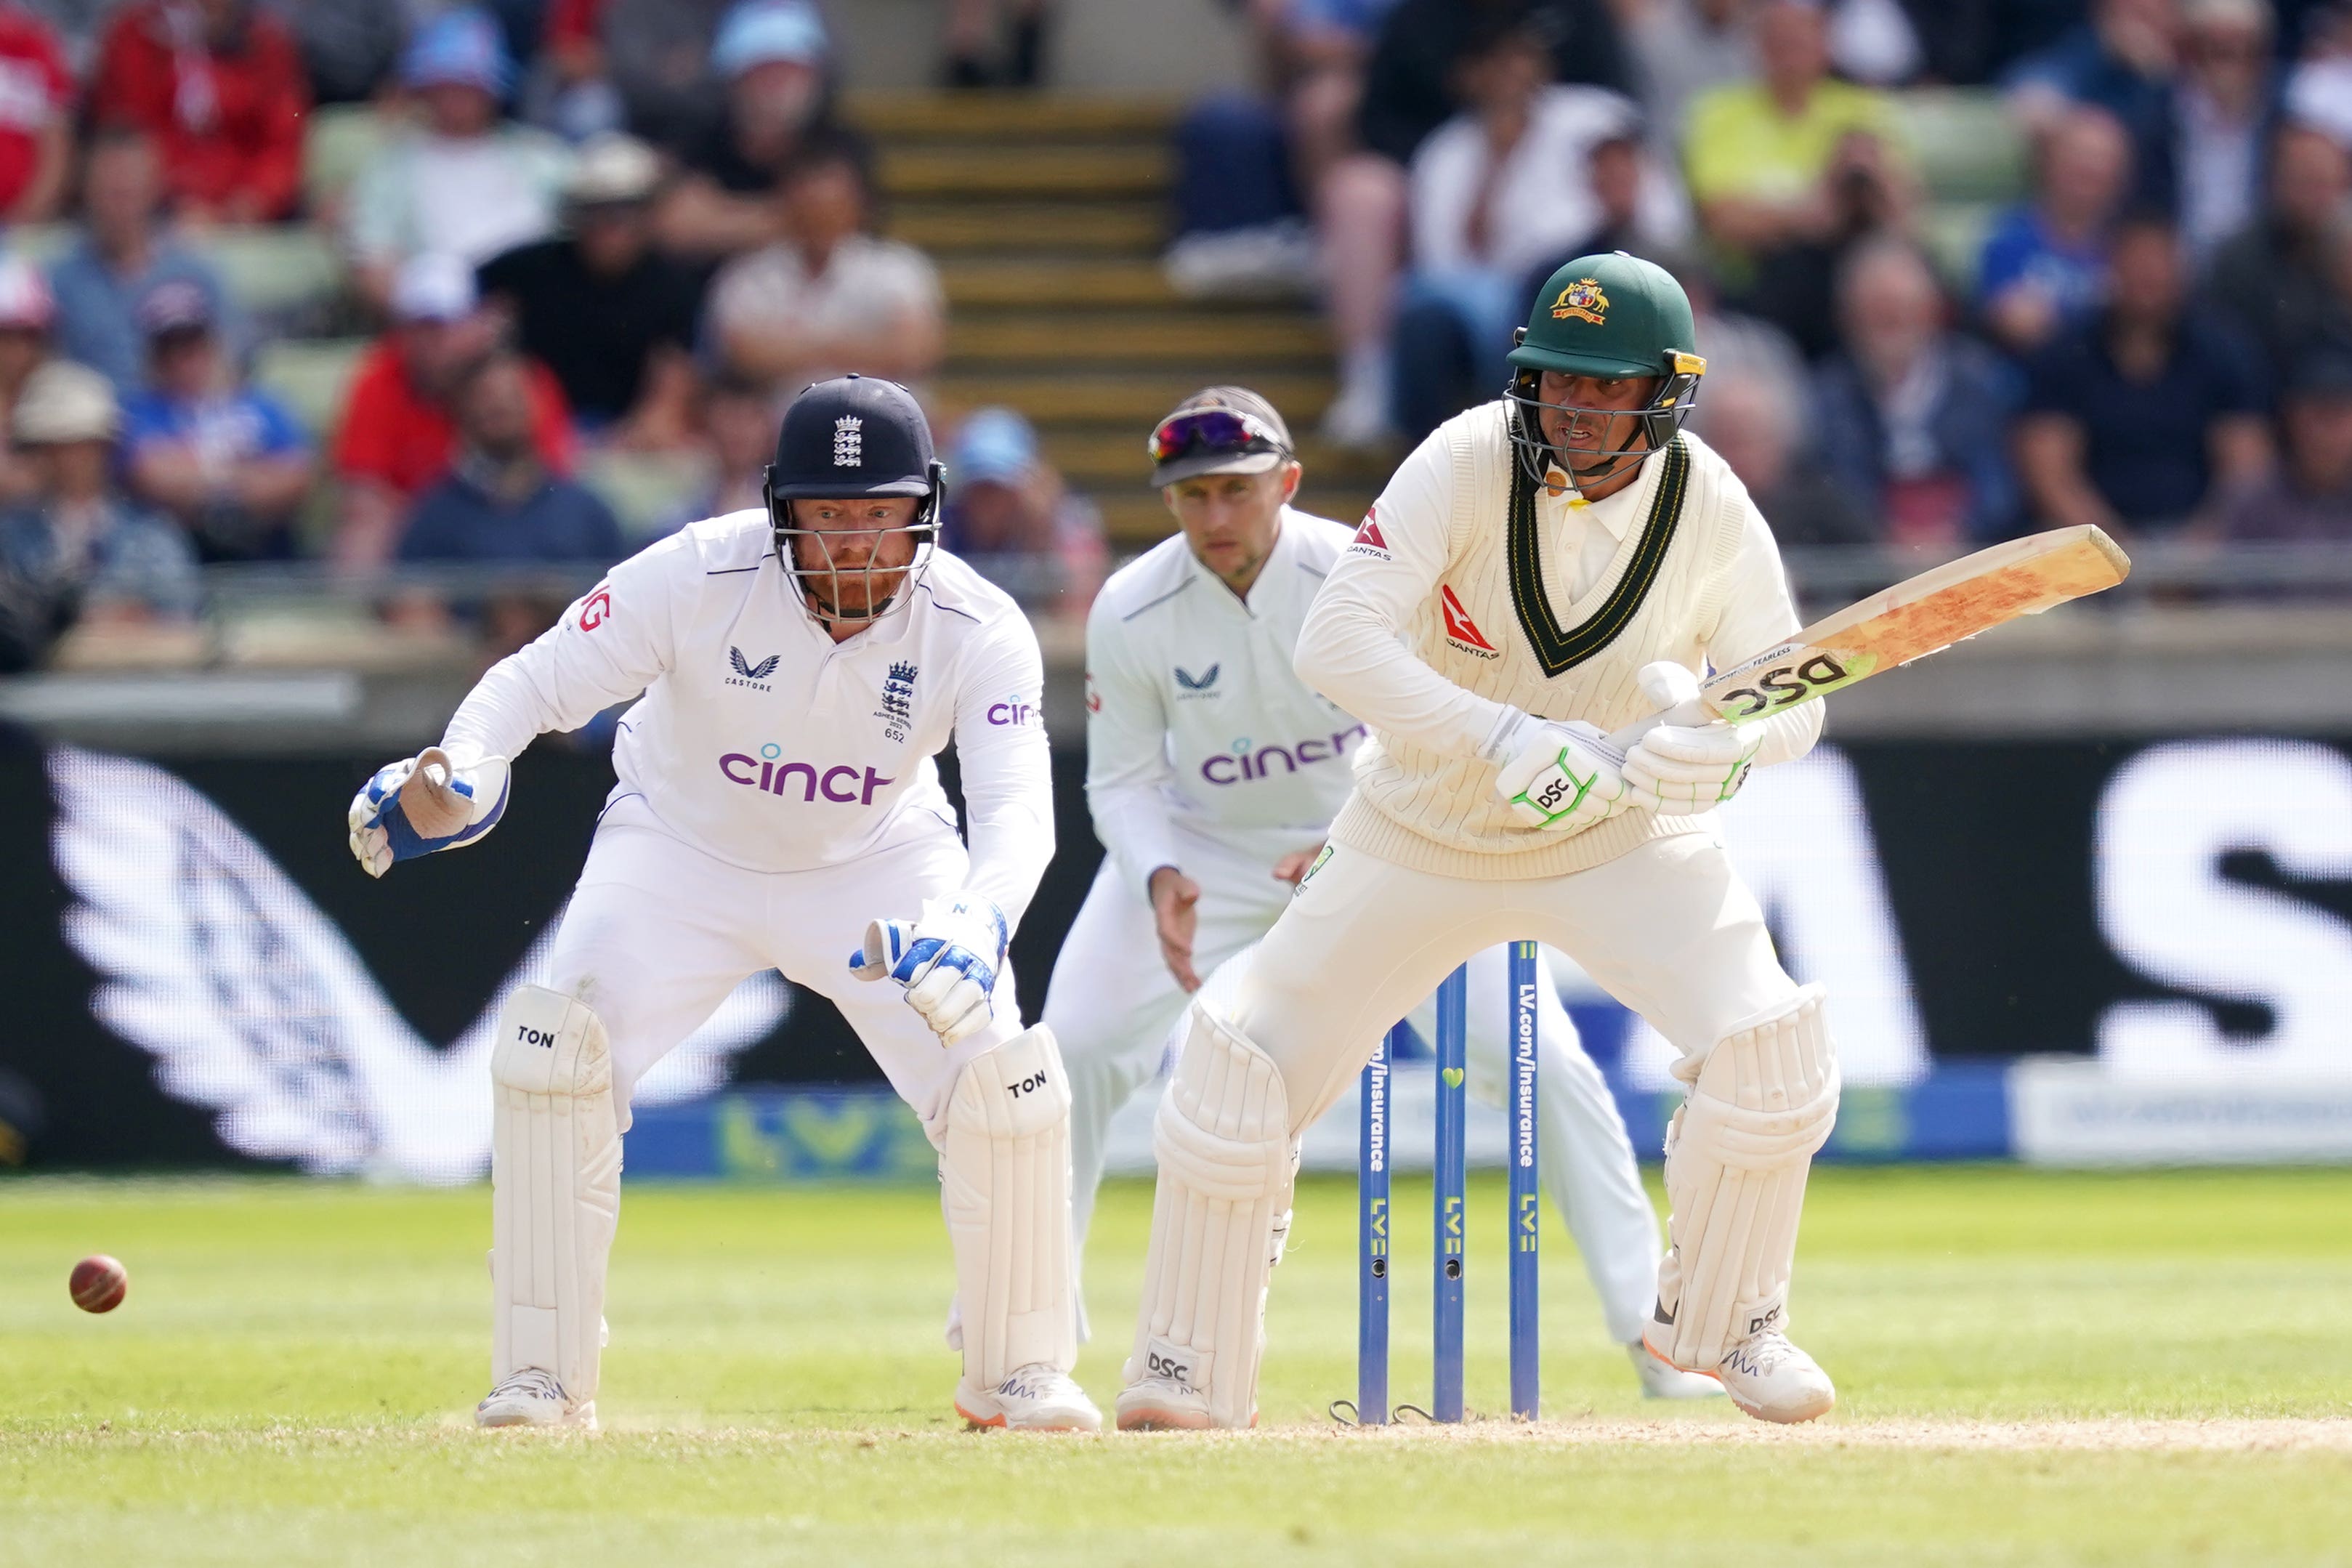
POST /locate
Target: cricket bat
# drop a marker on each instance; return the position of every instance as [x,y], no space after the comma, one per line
[1911,620]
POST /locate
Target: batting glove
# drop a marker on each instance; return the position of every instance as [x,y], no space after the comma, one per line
[947,958]
[424,803]
[1561,777]
[1679,770]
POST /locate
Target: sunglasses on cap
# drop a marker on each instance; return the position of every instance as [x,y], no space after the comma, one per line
[1211,430]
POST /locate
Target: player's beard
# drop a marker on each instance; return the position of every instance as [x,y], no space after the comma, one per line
[850,593]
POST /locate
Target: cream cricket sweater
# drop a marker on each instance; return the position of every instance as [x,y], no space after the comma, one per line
[1470,594]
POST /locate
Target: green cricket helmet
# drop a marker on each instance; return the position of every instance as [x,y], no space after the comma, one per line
[1613,316]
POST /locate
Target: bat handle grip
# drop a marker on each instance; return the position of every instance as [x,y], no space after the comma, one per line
[1690,710]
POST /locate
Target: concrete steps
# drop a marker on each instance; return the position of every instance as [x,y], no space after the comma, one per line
[1048,215]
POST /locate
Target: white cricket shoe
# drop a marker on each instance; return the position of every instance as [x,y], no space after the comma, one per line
[1034,1398]
[1156,1405]
[532,1398]
[1661,1379]
[1772,1379]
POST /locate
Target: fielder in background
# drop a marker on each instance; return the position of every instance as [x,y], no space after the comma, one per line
[1213,775]
[1541,571]
[778,807]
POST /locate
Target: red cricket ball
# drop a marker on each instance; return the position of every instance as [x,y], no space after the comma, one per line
[99,1283]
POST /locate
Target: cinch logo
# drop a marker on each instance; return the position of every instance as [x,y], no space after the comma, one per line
[1460,629]
[773,777]
[1245,763]
[749,674]
[1189,685]
[1014,712]
[1368,535]
[596,608]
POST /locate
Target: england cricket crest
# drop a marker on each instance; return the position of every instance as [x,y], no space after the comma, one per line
[898,710]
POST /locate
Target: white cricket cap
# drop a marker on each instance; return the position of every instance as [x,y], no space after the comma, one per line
[434,286]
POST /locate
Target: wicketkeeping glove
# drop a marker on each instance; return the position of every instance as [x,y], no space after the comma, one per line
[1560,776]
[947,958]
[424,803]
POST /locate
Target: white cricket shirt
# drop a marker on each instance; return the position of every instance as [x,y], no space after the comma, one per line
[1195,722]
[761,741]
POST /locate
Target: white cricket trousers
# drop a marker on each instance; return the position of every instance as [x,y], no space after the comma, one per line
[1112,1004]
[659,932]
[1668,928]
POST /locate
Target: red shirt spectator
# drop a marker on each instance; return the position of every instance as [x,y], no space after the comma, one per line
[219,85]
[36,95]
[399,436]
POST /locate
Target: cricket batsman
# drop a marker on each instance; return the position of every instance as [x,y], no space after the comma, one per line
[800,666]
[1213,775]
[1540,572]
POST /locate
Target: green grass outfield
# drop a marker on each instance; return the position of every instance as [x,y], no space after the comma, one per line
[2034,1368]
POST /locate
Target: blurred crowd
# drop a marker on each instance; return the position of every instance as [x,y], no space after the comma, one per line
[577,231]
[2155,338]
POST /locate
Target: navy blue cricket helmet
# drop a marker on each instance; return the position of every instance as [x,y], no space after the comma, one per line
[853,437]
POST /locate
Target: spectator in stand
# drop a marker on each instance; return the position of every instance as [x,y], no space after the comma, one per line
[1360,205]
[1319,49]
[2278,276]
[2043,266]
[2309,499]
[229,463]
[26,311]
[464,183]
[2148,419]
[2122,60]
[1912,418]
[2223,109]
[219,85]
[398,434]
[499,501]
[610,315]
[740,415]
[36,95]
[829,297]
[500,504]
[1528,174]
[1012,519]
[76,549]
[972,60]
[2319,90]
[772,56]
[1682,48]
[640,64]
[121,257]
[1736,346]
[1756,422]
[350,47]
[1793,164]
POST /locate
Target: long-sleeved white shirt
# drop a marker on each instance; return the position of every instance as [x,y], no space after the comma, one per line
[1196,724]
[1419,632]
[761,741]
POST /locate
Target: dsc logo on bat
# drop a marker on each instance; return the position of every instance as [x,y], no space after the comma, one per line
[1784,678]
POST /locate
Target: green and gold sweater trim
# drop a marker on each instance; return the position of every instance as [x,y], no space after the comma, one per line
[1559,649]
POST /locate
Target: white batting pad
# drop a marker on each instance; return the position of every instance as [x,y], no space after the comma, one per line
[1218,1220]
[1737,1156]
[555,1188]
[1005,1174]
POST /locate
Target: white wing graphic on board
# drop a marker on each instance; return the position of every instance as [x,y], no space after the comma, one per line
[255,1005]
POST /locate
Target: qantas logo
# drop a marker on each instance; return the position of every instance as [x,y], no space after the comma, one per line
[1368,535]
[1460,629]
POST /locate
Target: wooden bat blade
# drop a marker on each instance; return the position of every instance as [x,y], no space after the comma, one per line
[1924,615]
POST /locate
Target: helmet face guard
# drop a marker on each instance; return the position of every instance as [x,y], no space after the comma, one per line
[821,587]
[1655,423]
